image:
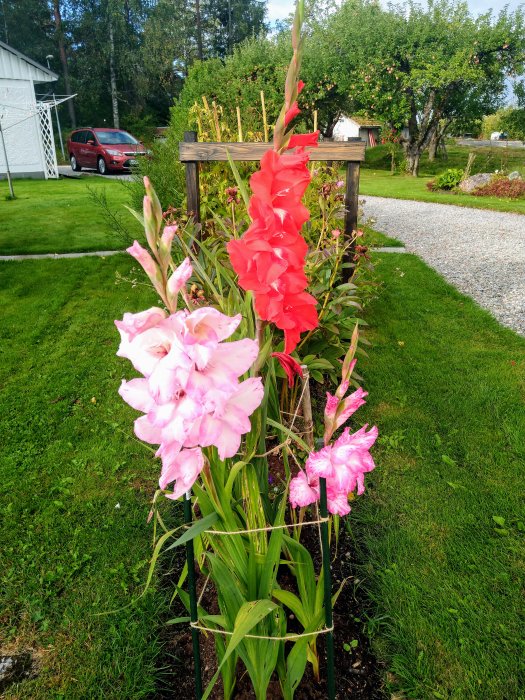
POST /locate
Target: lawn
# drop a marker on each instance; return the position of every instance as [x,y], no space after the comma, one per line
[376,179]
[75,486]
[441,532]
[61,216]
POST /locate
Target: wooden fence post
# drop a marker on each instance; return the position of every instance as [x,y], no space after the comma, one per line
[351,204]
[193,196]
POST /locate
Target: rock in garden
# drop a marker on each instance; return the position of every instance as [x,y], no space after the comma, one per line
[14,668]
[515,175]
[474,181]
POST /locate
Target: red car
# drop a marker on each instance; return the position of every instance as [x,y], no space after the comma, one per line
[103,149]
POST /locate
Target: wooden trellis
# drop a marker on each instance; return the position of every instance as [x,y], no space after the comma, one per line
[193,152]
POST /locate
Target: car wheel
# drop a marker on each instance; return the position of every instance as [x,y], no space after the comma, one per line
[101,166]
[74,164]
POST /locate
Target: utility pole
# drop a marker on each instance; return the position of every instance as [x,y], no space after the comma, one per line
[56,113]
[11,190]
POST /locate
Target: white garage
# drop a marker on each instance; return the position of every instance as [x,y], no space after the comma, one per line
[26,131]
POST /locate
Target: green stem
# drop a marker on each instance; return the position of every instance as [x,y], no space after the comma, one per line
[190,558]
[327,593]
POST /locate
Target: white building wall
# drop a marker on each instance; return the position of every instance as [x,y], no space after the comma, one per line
[345,128]
[21,128]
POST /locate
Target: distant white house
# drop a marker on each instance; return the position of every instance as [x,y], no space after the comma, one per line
[357,127]
[26,124]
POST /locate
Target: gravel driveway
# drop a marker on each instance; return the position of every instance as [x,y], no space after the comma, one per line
[480,252]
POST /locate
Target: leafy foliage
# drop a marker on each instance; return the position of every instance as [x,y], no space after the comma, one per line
[447,180]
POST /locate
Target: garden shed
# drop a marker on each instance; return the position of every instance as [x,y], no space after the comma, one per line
[26,138]
[357,127]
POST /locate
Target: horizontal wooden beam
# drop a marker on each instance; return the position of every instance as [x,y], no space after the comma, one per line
[327,150]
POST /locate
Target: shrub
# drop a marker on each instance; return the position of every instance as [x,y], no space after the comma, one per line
[447,180]
[502,187]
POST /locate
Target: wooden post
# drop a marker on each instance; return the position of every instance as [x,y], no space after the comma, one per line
[192,182]
[351,205]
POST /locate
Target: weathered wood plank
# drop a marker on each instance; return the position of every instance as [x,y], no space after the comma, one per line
[193,194]
[326,151]
[351,205]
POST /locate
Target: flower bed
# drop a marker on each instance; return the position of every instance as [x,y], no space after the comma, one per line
[235,316]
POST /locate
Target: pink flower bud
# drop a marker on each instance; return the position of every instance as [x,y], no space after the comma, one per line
[150,227]
[150,267]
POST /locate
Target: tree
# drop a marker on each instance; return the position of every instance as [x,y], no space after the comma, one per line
[59,34]
[416,67]
[230,22]
[27,26]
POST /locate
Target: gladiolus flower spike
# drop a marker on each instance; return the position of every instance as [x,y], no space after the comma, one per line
[190,393]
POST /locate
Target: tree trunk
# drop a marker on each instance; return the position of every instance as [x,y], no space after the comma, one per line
[413,155]
[199,29]
[113,77]
[433,145]
[63,61]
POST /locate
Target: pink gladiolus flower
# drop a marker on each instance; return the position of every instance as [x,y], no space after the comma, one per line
[144,258]
[342,464]
[178,279]
[339,411]
[190,392]
[303,491]
[183,468]
[169,234]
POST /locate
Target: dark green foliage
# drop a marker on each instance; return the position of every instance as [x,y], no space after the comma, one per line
[447,180]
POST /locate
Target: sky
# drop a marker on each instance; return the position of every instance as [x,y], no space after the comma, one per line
[280,9]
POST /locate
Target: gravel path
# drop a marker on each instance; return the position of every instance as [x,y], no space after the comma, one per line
[480,252]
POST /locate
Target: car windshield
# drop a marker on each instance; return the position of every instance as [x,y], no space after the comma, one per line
[115,138]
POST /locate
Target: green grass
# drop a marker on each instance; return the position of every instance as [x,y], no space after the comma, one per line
[75,486]
[60,216]
[447,388]
[376,239]
[376,179]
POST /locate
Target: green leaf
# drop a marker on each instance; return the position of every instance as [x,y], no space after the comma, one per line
[499,520]
[178,620]
[448,460]
[249,615]
[194,530]
[240,182]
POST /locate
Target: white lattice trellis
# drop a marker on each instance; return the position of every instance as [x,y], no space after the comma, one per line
[48,141]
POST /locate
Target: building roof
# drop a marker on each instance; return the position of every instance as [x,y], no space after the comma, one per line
[14,64]
[366,121]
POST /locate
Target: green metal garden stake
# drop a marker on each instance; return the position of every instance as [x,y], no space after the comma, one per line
[327,593]
[190,559]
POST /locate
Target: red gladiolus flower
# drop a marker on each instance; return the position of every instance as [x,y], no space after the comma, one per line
[300,86]
[290,366]
[291,113]
[270,258]
[303,140]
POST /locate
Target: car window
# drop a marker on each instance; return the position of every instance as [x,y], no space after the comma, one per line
[89,135]
[115,138]
[76,137]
